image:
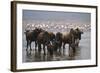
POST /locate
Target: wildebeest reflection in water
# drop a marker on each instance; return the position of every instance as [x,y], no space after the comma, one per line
[82,51]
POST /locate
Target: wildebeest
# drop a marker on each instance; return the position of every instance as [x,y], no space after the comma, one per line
[78,34]
[31,36]
[68,38]
[58,41]
[72,38]
[62,39]
[52,48]
[43,39]
[52,36]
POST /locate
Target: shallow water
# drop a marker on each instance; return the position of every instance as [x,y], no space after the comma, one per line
[82,52]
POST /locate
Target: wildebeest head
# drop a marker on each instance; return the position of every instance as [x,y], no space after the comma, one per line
[32,34]
[52,36]
[58,36]
[78,33]
[37,30]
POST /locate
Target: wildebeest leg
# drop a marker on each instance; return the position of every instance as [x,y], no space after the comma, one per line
[63,48]
[39,48]
[59,49]
[30,46]
[74,50]
[27,45]
[44,49]
[69,50]
[35,45]
[77,42]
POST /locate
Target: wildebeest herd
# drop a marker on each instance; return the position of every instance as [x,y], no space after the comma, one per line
[52,43]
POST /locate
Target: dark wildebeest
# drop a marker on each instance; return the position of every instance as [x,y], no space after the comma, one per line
[52,36]
[43,39]
[58,41]
[52,48]
[31,36]
[78,33]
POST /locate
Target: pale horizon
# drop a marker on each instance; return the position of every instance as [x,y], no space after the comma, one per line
[70,17]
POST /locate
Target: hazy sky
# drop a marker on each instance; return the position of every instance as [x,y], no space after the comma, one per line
[70,17]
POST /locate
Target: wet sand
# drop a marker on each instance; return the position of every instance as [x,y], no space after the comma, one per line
[82,52]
